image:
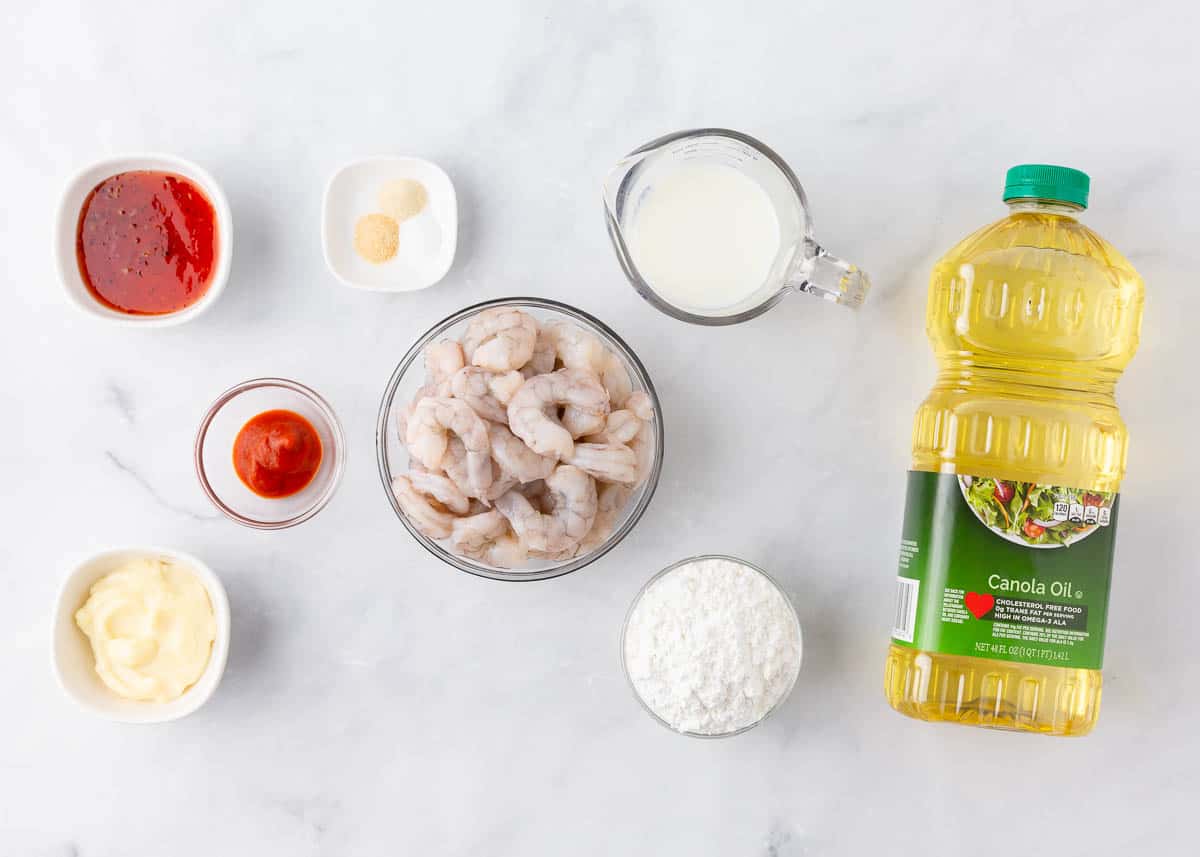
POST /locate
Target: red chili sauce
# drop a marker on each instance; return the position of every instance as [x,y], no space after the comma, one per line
[277,453]
[147,242]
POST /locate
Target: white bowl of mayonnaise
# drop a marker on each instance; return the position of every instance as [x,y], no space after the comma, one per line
[141,635]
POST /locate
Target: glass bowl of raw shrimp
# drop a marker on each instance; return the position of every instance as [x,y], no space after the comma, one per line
[618,506]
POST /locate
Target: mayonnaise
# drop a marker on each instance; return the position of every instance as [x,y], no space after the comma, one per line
[151,626]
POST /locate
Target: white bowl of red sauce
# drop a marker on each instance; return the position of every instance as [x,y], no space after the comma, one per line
[270,453]
[144,240]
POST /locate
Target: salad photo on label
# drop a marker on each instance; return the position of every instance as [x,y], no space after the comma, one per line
[1036,515]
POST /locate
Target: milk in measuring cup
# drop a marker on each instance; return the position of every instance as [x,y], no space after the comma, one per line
[712,227]
[705,236]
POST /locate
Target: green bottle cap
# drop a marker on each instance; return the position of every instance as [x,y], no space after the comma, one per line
[1044,181]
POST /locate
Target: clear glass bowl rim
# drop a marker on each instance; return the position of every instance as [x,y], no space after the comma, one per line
[558,569]
[637,600]
[339,452]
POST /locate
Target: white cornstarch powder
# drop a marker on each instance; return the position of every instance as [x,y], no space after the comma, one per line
[712,646]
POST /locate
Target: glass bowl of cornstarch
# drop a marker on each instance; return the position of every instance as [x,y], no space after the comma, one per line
[711,646]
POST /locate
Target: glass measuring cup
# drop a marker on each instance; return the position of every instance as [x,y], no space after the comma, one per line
[799,264]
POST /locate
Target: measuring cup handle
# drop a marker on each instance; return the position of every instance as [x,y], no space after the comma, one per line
[826,276]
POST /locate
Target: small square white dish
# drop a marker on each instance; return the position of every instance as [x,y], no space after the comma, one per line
[67,226]
[427,241]
[75,665]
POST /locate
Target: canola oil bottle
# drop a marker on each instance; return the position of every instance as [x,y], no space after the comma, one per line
[1018,453]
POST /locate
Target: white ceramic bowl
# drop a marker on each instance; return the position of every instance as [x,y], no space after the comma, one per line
[75,665]
[67,224]
[427,241]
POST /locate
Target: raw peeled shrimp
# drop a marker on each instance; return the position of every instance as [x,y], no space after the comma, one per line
[431,388]
[431,420]
[502,483]
[428,519]
[563,448]
[642,442]
[641,406]
[473,386]
[473,533]
[577,348]
[610,502]
[573,497]
[579,423]
[500,339]
[621,427]
[615,378]
[443,359]
[608,462]
[507,551]
[527,412]
[440,488]
[538,494]
[545,354]
[487,537]
[436,417]
[515,458]
[454,463]
[505,385]
[556,556]
[643,451]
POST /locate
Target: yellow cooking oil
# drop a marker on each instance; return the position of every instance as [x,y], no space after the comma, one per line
[1032,318]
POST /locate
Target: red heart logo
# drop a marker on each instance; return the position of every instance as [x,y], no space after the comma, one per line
[979,603]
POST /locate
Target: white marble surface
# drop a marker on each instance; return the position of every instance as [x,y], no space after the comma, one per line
[377,702]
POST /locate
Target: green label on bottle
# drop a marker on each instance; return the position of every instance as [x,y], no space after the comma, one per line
[1014,571]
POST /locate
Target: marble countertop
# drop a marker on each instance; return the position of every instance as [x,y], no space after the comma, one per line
[376,701]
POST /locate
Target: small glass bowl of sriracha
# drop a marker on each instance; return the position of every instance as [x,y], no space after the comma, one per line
[269,453]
